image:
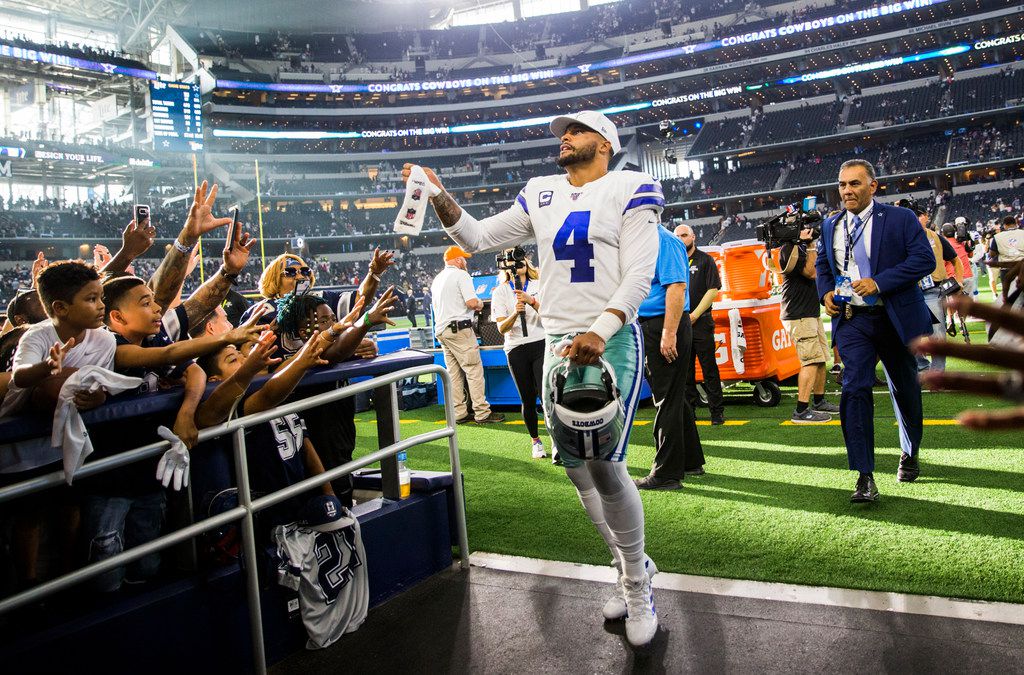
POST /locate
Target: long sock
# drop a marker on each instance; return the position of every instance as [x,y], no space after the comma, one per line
[623,512]
[591,500]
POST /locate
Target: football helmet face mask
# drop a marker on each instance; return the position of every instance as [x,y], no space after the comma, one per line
[587,418]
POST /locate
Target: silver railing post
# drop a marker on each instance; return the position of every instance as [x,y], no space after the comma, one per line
[252,576]
[385,404]
[458,494]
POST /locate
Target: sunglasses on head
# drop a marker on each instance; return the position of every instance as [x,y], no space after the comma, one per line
[296,271]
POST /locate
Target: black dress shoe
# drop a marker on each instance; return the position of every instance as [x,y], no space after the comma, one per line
[717,419]
[909,469]
[866,490]
[699,471]
[653,483]
[493,418]
[465,420]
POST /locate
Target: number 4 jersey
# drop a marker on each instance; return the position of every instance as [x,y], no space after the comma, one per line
[597,244]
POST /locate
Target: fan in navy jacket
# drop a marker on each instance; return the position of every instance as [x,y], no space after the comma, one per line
[884,252]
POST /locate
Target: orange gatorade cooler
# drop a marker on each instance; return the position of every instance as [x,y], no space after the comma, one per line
[752,343]
[746,268]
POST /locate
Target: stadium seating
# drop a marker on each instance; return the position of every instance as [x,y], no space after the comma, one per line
[804,122]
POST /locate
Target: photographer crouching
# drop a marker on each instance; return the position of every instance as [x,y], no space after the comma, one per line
[796,230]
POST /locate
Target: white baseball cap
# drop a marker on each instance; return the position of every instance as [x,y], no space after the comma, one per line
[960,220]
[592,120]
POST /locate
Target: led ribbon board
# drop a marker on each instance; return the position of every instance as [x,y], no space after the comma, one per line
[765,34]
[657,103]
[39,56]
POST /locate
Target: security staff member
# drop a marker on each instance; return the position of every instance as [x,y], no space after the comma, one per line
[665,322]
[454,303]
[704,286]
[870,259]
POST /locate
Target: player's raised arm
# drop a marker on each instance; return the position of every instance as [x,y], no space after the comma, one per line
[507,228]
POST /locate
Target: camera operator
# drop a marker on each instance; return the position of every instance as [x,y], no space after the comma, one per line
[988,232]
[957,237]
[802,315]
[515,303]
[454,303]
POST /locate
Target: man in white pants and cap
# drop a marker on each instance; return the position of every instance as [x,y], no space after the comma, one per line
[597,244]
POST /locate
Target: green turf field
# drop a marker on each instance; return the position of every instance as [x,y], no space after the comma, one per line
[774,504]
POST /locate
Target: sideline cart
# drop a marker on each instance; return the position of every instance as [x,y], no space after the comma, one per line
[752,343]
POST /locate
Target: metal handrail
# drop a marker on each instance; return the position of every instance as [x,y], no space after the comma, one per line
[247,506]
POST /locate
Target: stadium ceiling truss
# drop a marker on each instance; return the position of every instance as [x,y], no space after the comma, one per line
[131,19]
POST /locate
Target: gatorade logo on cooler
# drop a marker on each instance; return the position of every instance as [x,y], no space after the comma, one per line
[781,339]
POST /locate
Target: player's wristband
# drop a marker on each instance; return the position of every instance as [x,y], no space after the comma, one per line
[365,321]
[181,247]
[375,277]
[606,326]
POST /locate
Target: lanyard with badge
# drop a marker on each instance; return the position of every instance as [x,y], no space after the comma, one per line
[844,283]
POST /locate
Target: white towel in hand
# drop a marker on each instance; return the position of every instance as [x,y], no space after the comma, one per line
[69,432]
[414,207]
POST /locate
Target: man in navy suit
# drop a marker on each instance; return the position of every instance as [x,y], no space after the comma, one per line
[870,259]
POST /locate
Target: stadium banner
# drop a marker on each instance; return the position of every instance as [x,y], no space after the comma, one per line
[44,155]
[783,30]
[611,88]
[721,92]
[38,56]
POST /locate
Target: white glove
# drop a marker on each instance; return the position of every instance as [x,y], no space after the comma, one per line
[174,463]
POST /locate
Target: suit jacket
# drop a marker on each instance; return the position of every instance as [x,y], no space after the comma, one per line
[900,258]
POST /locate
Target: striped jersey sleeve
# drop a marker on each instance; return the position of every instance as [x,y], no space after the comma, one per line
[647,195]
[521,200]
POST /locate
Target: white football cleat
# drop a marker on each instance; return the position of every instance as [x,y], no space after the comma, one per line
[615,607]
[641,617]
[538,450]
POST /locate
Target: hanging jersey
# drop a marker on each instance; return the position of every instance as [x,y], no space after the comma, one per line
[578,232]
[328,569]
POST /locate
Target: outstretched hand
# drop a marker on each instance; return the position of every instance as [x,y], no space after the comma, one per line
[136,238]
[200,218]
[38,265]
[381,261]
[1008,386]
[236,252]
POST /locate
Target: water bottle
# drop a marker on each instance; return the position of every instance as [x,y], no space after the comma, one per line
[404,477]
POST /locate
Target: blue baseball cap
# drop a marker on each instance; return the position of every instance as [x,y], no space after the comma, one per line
[324,513]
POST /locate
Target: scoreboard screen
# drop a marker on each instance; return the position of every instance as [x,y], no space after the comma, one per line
[177,114]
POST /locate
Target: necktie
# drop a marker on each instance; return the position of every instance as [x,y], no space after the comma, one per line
[860,255]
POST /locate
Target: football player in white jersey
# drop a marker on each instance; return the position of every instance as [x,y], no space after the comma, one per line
[597,242]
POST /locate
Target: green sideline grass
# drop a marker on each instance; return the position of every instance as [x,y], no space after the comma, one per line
[774,505]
